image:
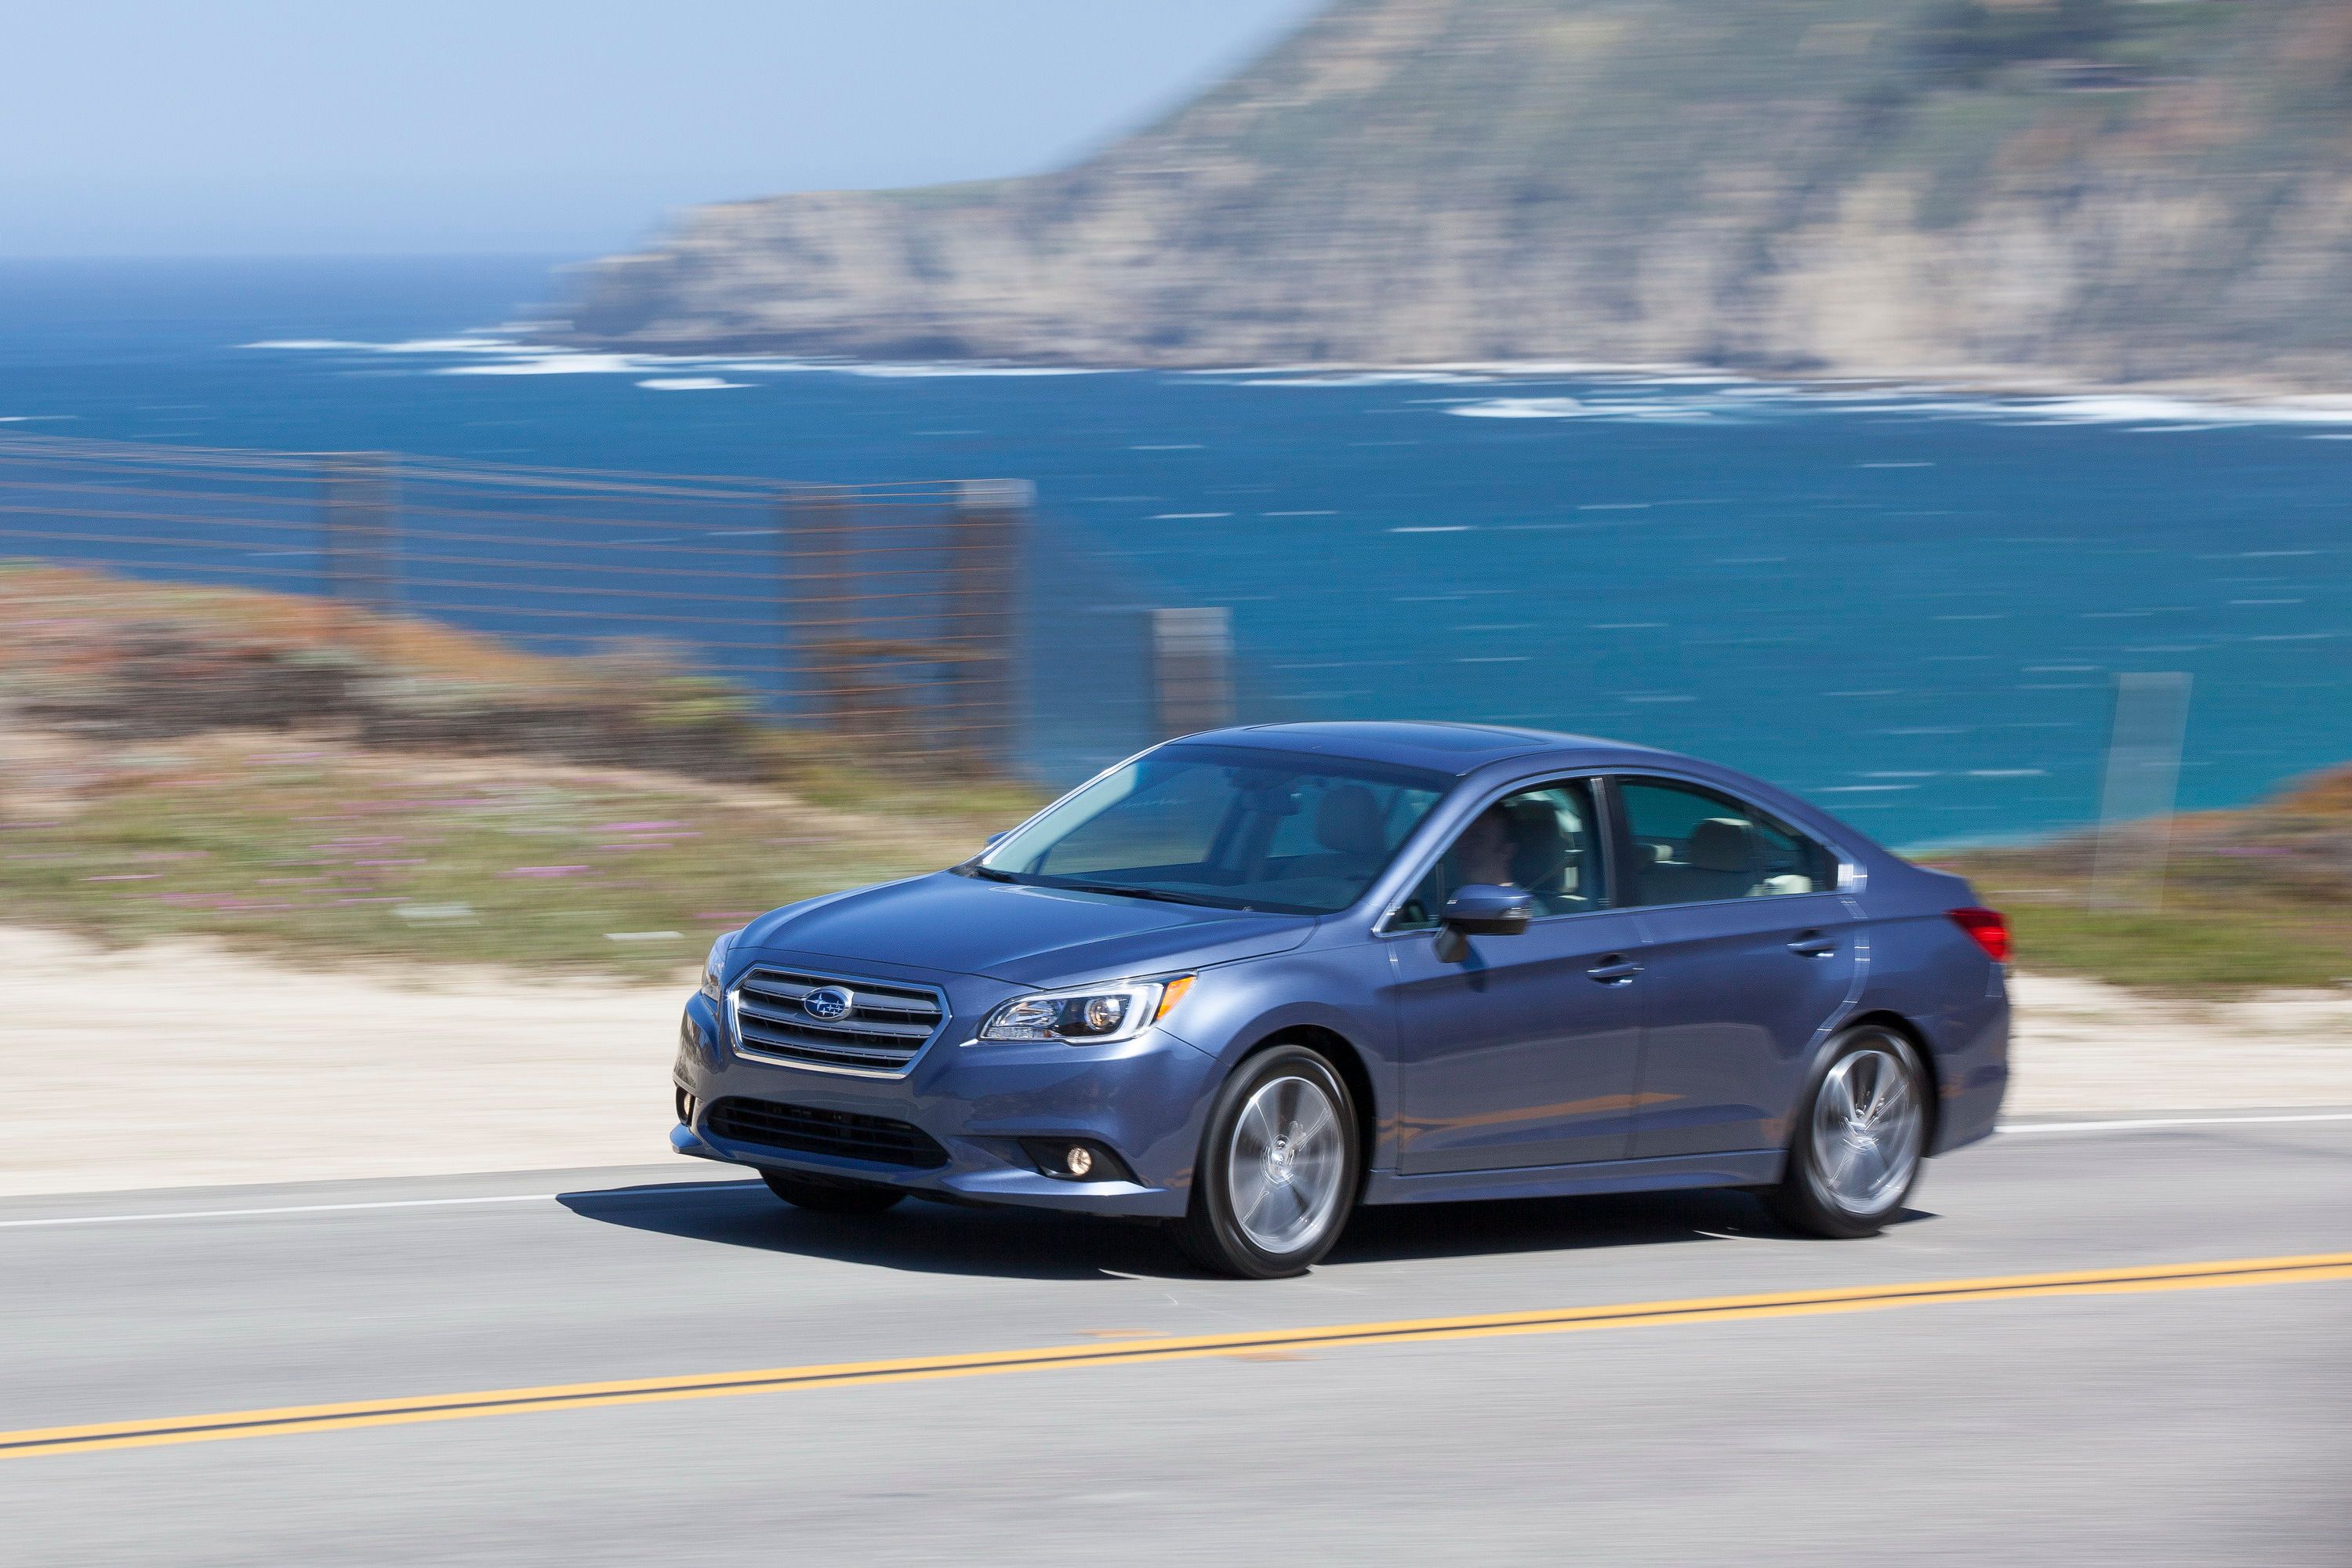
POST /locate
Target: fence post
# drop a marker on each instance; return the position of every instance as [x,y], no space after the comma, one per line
[980,621]
[359,523]
[2143,777]
[1193,669]
[822,597]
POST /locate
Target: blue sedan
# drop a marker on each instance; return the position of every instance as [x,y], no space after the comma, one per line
[1248,980]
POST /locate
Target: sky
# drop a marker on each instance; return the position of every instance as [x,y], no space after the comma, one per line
[552,127]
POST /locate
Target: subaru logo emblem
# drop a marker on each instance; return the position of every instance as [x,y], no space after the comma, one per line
[829,1003]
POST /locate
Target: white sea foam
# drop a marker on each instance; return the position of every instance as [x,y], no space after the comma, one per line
[461,345]
[1649,392]
[2113,409]
[921,371]
[1574,408]
[1623,395]
[691,383]
[1523,408]
[467,345]
[558,364]
[1371,378]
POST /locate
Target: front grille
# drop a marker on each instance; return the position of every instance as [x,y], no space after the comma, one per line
[809,1130]
[887,1023]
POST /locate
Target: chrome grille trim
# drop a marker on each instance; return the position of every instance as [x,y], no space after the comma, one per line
[889,1025]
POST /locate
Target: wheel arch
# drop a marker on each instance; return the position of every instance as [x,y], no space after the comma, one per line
[1354,1072]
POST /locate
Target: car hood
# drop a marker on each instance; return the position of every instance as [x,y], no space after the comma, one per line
[1029,936]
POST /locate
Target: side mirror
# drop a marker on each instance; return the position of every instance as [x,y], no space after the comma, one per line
[1483,908]
[996,838]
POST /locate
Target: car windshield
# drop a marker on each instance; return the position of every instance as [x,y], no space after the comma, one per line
[1225,825]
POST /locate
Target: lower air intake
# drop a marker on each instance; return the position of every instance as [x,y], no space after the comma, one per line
[806,1130]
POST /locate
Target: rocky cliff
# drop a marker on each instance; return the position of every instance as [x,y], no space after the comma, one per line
[2091,190]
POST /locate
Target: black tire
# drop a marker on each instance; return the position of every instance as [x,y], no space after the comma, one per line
[821,1195]
[1848,1174]
[1303,1198]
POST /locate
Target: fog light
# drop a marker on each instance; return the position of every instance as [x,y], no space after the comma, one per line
[1076,1160]
[685,1108]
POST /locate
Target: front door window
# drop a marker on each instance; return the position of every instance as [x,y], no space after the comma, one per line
[1542,841]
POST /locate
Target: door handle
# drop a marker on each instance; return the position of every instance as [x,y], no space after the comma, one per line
[1616,971]
[1813,944]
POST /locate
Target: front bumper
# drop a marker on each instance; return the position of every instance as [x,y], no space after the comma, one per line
[1143,1098]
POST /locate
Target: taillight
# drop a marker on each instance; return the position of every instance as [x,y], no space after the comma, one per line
[1987,928]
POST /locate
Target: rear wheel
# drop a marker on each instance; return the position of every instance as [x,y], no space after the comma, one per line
[1277,1173]
[820,1195]
[1860,1133]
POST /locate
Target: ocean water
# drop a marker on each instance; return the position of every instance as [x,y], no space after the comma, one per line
[1908,604]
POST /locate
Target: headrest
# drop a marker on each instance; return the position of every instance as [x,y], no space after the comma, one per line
[1721,844]
[1348,822]
[1539,850]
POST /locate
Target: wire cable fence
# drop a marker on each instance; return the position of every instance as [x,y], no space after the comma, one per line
[932,619]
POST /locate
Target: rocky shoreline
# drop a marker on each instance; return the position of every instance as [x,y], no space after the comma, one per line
[1826,191]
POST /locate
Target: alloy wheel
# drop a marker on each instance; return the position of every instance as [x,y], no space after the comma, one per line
[1867,1128]
[1286,1169]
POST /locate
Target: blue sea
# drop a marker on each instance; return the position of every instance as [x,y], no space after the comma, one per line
[1907,602]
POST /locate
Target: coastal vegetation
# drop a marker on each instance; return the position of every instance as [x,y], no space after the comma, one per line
[2252,898]
[273,771]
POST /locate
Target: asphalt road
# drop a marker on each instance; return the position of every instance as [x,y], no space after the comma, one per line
[2142,1421]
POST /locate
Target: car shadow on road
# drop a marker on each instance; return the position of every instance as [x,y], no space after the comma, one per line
[919,1236]
[1562,1224]
[1028,1244]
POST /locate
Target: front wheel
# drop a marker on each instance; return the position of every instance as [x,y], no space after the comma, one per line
[1860,1132]
[819,1196]
[1277,1173]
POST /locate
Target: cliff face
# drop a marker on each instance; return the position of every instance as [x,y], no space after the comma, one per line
[2116,190]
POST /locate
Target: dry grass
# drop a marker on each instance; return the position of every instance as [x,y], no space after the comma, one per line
[129,808]
[304,846]
[2249,899]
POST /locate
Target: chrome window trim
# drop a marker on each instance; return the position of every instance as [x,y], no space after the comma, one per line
[735,1026]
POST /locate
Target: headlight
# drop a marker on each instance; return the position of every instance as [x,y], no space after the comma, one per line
[1094,1015]
[716,965]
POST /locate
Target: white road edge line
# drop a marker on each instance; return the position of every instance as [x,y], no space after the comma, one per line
[2009,1128]
[386,1204]
[2006,1129]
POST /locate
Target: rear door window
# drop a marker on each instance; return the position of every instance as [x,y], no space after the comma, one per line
[1696,846]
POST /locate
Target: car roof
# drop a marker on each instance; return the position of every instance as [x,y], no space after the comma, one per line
[1436,747]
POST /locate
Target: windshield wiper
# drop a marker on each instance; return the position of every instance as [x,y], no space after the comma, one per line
[991,872]
[1161,895]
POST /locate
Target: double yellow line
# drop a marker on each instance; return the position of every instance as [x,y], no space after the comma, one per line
[1129,1352]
